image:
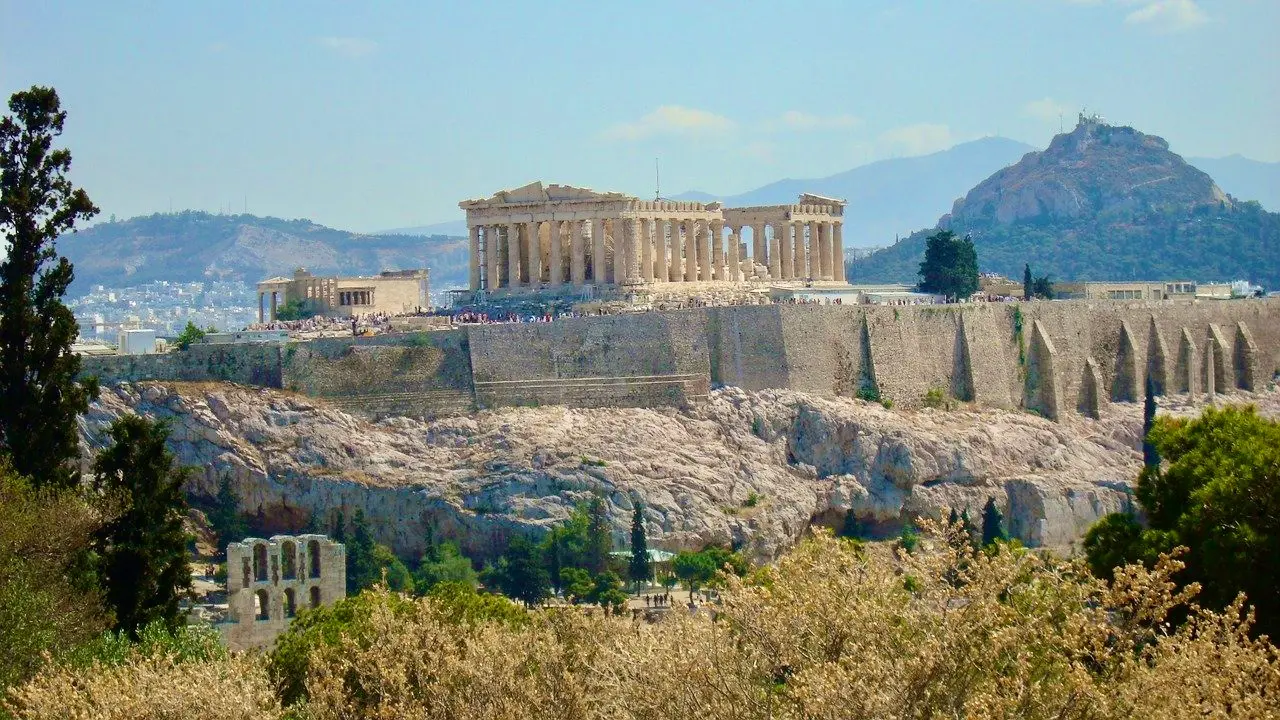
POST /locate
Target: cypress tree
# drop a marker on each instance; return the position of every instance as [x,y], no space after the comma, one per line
[362,567]
[142,552]
[1027,282]
[639,570]
[992,523]
[599,537]
[40,396]
[1150,456]
[225,517]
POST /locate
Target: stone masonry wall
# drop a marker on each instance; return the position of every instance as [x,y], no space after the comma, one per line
[1050,357]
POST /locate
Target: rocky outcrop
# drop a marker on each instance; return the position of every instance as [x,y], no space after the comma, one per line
[750,469]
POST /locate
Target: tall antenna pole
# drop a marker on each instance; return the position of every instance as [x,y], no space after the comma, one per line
[657,181]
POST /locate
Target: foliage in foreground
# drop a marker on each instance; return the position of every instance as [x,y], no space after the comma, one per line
[833,631]
[1217,492]
[47,601]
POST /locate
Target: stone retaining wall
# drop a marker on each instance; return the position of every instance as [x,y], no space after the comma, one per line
[1048,357]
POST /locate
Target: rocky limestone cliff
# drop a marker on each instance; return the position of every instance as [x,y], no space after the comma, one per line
[481,478]
[1095,169]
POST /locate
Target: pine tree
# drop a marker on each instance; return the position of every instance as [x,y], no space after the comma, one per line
[1027,282]
[40,396]
[639,570]
[1150,456]
[142,552]
[992,523]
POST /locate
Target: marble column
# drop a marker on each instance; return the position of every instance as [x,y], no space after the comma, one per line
[557,253]
[513,255]
[631,240]
[619,251]
[735,262]
[823,262]
[759,246]
[533,251]
[474,233]
[491,257]
[837,249]
[786,260]
[704,251]
[577,254]
[599,274]
[716,256]
[260,298]
[800,254]
[273,306]
[660,271]
[646,228]
[690,249]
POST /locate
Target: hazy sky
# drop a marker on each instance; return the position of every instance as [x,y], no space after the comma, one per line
[375,115]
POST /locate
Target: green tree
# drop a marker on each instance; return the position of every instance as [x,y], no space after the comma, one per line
[45,604]
[1027,282]
[298,309]
[520,574]
[577,585]
[639,570]
[225,517]
[1216,492]
[1150,456]
[950,266]
[1042,288]
[599,535]
[143,551]
[992,524]
[190,335]
[606,591]
[852,527]
[367,560]
[40,396]
[694,569]
[446,564]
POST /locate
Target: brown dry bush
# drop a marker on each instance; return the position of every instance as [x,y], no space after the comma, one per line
[831,631]
[157,688]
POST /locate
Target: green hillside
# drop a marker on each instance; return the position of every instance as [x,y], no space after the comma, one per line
[1101,203]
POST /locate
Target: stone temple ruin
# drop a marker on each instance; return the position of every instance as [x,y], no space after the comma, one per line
[269,581]
[551,237]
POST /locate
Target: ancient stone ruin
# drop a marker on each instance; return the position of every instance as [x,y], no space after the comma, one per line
[270,581]
[551,236]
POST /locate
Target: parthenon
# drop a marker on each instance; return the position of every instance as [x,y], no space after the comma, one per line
[556,236]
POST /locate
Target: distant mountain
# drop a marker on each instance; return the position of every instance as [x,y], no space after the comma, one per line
[892,197]
[192,246]
[1101,203]
[453,228]
[1244,178]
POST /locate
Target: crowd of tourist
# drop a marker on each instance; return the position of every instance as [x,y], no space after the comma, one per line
[321,326]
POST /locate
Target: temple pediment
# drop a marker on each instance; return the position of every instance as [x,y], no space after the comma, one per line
[536,192]
[811,199]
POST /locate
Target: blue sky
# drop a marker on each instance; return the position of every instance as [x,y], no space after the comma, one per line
[374,115]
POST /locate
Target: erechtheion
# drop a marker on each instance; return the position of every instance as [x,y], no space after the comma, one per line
[393,292]
[554,236]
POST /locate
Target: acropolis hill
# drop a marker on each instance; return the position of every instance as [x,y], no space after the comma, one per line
[490,430]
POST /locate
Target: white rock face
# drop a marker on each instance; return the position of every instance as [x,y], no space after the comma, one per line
[481,478]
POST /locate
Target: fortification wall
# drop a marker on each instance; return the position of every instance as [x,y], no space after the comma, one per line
[245,364]
[414,374]
[1048,357]
[636,360]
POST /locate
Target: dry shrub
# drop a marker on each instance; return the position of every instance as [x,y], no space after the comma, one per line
[424,663]
[157,688]
[831,631]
